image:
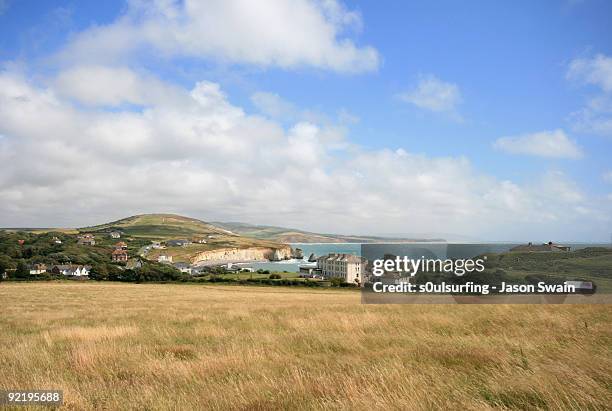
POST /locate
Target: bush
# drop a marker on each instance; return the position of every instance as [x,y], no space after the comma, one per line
[275,277]
[337,282]
[22,270]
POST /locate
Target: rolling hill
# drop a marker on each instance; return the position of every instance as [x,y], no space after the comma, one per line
[160,227]
[290,235]
[216,242]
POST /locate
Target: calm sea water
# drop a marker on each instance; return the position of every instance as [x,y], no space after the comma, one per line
[292,266]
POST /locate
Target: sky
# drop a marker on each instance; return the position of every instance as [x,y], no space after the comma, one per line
[479,120]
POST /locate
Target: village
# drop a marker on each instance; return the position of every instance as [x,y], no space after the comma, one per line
[339,268]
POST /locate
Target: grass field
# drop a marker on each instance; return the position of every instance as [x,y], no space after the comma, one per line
[123,346]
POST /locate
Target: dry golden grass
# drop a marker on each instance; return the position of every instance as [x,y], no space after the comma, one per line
[120,346]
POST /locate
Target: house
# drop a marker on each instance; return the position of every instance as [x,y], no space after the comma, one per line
[133,264]
[199,240]
[164,259]
[548,247]
[156,245]
[115,234]
[86,239]
[119,255]
[183,267]
[71,270]
[56,240]
[36,269]
[177,243]
[121,246]
[350,268]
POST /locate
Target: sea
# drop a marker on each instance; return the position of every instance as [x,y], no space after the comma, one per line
[319,249]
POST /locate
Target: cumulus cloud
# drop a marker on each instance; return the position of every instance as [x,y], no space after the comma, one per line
[596,71]
[434,94]
[553,144]
[273,105]
[596,116]
[203,156]
[284,33]
[112,86]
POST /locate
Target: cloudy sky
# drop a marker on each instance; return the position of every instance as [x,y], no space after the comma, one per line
[488,120]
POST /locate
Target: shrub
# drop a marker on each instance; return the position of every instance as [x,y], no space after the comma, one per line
[337,282]
[275,277]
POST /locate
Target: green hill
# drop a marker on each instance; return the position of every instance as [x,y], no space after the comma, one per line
[140,230]
[292,235]
[159,227]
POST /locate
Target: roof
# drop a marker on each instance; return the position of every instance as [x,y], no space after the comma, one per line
[70,267]
[177,242]
[181,265]
[118,252]
[345,258]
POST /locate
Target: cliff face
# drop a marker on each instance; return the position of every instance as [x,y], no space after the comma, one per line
[243,254]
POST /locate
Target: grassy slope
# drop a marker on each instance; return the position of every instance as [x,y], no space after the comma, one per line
[593,264]
[291,235]
[118,346]
[159,226]
[170,226]
[140,230]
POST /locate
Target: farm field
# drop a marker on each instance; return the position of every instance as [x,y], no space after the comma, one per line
[164,346]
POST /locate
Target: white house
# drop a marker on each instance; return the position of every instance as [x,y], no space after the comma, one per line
[71,270]
[346,266]
[183,268]
[164,258]
[36,269]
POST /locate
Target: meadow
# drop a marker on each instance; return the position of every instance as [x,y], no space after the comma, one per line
[163,346]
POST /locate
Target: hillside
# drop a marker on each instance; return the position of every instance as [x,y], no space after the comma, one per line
[144,228]
[590,264]
[291,235]
[159,227]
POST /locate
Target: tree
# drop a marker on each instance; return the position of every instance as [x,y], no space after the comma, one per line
[99,272]
[5,264]
[336,281]
[22,270]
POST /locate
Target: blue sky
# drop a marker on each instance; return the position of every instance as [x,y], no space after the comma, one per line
[519,90]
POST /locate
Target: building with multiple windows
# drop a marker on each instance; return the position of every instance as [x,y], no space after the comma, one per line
[350,268]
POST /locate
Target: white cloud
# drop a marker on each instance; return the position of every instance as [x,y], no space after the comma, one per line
[277,108]
[596,116]
[112,86]
[554,144]
[433,94]
[203,156]
[274,106]
[596,71]
[284,33]
[607,176]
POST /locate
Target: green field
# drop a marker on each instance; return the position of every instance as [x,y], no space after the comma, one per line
[128,346]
